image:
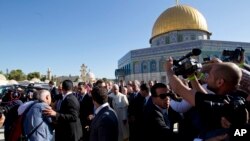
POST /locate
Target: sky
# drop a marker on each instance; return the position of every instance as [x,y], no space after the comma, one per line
[64,34]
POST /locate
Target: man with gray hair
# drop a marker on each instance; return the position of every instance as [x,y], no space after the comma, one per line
[120,106]
[37,126]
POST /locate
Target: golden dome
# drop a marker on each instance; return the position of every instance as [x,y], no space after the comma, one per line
[179,17]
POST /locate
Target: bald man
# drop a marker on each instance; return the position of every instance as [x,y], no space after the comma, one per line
[34,118]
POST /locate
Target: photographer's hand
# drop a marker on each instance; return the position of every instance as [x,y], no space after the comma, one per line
[2,119]
[218,138]
[177,85]
[208,66]
[215,60]
[241,61]
[169,64]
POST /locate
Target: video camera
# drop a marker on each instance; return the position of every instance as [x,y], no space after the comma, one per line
[9,94]
[234,109]
[189,65]
[233,102]
[233,55]
[5,109]
[6,106]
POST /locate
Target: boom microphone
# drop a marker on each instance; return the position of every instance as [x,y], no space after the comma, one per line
[195,52]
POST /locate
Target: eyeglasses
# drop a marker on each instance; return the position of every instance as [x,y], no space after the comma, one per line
[163,96]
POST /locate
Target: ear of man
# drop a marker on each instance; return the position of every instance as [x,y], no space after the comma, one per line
[220,82]
[225,123]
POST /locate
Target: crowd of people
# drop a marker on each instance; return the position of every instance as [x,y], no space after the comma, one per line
[210,108]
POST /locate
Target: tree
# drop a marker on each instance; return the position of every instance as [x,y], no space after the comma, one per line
[105,79]
[17,75]
[1,72]
[77,78]
[43,78]
[33,75]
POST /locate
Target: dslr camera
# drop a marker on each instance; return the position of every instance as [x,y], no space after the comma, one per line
[5,109]
[187,65]
[233,55]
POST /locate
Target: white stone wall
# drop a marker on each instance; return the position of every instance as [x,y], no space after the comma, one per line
[210,48]
[147,76]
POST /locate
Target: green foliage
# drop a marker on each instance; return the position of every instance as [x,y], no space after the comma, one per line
[33,75]
[1,72]
[77,78]
[43,78]
[105,79]
[17,75]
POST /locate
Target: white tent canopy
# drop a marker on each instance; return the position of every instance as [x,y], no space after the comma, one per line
[12,82]
[35,80]
[3,82]
[2,77]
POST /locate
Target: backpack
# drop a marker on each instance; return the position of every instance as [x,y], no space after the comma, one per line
[17,133]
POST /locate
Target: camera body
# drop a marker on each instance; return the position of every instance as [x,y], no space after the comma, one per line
[233,55]
[2,110]
[186,67]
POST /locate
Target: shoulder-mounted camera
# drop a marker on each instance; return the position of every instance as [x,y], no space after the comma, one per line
[233,55]
[187,65]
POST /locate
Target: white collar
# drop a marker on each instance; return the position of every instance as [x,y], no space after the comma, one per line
[158,107]
[82,96]
[100,107]
[65,95]
[147,97]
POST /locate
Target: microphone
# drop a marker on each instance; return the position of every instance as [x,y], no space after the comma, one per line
[195,52]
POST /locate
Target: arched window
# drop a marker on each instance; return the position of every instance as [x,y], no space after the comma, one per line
[137,68]
[129,69]
[180,38]
[167,40]
[153,66]
[144,67]
[161,65]
[158,42]
[193,37]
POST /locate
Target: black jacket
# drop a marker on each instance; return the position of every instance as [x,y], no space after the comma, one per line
[86,109]
[154,126]
[68,125]
[104,126]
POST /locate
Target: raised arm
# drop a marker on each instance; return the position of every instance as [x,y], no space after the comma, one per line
[177,85]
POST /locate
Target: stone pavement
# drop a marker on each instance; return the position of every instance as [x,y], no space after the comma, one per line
[1,134]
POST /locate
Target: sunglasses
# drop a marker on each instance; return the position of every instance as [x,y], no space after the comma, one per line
[163,96]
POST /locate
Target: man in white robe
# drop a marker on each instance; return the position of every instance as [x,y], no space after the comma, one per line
[120,106]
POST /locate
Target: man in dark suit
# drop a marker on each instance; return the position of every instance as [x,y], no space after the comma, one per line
[156,122]
[101,83]
[104,126]
[86,109]
[135,112]
[67,121]
[53,91]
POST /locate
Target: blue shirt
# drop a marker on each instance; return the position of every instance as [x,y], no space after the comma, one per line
[33,118]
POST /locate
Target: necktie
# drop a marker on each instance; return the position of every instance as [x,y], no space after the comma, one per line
[80,98]
[58,105]
[60,96]
[166,119]
[145,102]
